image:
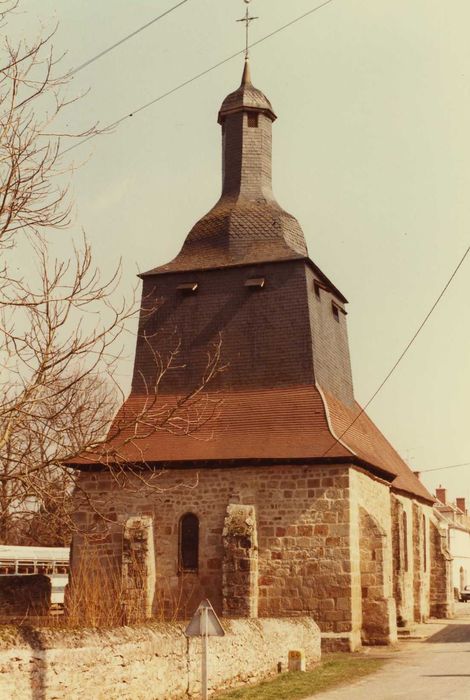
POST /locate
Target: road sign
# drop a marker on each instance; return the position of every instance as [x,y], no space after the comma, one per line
[205,624]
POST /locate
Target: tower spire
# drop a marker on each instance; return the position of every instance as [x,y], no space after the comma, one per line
[247,20]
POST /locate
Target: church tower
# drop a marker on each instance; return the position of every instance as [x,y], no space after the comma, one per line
[268,489]
[244,273]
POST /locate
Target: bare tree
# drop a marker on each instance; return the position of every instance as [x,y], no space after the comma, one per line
[62,327]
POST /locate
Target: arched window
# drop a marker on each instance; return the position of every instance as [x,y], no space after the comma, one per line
[189,542]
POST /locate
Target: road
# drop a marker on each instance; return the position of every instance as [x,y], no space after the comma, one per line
[437,668]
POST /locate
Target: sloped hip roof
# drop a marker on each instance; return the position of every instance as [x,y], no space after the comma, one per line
[288,423]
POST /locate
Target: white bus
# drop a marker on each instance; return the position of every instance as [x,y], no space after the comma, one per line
[24,561]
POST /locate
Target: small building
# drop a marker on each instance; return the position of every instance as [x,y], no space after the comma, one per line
[455,518]
[288,500]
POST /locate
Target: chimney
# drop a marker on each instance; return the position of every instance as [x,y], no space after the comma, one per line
[441,494]
[460,503]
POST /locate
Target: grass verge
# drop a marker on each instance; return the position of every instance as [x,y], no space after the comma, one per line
[334,670]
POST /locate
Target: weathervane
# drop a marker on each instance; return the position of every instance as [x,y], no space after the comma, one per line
[247,19]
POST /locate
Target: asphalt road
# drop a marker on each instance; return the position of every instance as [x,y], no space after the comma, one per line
[437,668]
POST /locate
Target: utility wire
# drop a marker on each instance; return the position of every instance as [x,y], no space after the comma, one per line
[124,39]
[438,469]
[202,74]
[400,358]
[161,97]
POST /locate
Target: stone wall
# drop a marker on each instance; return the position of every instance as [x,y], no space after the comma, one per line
[240,562]
[374,610]
[441,593]
[422,515]
[302,519]
[403,558]
[154,662]
[138,569]
[422,563]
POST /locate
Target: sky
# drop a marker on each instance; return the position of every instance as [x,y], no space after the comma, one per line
[371,154]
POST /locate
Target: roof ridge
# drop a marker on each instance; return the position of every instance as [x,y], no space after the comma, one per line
[329,421]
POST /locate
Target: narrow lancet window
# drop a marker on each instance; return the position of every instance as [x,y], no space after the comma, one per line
[189,542]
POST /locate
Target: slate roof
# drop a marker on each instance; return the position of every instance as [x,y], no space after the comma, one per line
[239,231]
[246,97]
[291,423]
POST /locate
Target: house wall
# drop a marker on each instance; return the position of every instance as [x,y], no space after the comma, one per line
[459,547]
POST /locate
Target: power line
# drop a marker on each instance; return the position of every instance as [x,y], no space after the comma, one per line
[408,346]
[161,97]
[447,466]
[124,39]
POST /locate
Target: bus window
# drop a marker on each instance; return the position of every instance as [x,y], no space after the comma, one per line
[26,567]
[44,567]
[7,568]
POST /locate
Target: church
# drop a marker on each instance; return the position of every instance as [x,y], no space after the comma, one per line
[254,479]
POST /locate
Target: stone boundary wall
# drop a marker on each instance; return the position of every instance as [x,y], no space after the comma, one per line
[152,662]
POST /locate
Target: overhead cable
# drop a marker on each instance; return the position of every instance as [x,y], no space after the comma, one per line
[402,355]
[161,97]
[124,39]
[447,466]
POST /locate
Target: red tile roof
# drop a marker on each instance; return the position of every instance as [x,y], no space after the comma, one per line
[269,424]
[365,440]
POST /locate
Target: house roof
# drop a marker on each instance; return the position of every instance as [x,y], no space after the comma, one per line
[289,423]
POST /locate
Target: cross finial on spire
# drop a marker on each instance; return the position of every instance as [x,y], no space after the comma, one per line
[247,19]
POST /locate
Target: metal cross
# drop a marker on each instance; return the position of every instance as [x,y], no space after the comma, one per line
[247,19]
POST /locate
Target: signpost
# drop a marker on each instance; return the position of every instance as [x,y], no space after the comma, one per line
[205,624]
